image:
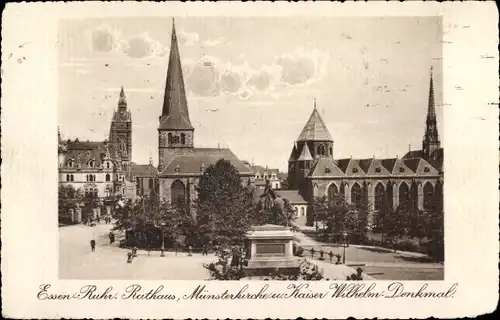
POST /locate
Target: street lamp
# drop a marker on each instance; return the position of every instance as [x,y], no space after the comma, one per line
[344,234]
[162,254]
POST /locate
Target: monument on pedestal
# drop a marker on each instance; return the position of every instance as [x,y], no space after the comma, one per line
[270,247]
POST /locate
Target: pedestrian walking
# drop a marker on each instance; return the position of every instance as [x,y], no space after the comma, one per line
[205,250]
[92,245]
[189,251]
[331,255]
[312,252]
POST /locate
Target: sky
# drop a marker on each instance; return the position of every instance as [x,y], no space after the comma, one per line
[251,82]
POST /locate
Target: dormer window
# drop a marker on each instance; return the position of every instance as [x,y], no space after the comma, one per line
[377,170]
[401,169]
[273,176]
[70,163]
[177,168]
[91,163]
[108,165]
[426,169]
[257,176]
[265,177]
[354,170]
[327,170]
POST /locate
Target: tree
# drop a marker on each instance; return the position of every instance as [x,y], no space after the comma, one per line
[320,210]
[434,228]
[223,209]
[67,199]
[397,222]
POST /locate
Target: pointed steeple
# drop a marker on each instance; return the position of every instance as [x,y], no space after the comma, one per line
[431,141]
[295,153]
[315,128]
[305,155]
[175,114]
[122,101]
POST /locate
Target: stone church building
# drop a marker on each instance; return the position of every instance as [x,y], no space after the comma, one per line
[180,164]
[418,175]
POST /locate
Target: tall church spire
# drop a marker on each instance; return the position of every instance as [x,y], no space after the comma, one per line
[122,101]
[431,141]
[175,114]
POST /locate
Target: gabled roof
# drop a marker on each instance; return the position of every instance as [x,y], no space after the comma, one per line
[291,195]
[365,164]
[351,167]
[305,155]
[326,167]
[377,168]
[421,167]
[192,162]
[315,129]
[175,113]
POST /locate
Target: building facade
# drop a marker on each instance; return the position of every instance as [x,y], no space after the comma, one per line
[262,175]
[100,168]
[180,164]
[418,175]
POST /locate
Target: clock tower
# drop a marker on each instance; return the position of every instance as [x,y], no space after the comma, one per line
[120,134]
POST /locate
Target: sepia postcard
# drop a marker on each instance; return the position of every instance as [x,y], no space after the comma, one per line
[249,160]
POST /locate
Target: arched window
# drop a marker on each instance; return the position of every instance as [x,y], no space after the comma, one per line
[321,150]
[183,138]
[380,197]
[72,177]
[302,212]
[150,183]
[331,151]
[404,193]
[389,191]
[438,197]
[108,177]
[332,191]
[169,138]
[356,195]
[428,195]
[107,164]
[96,192]
[178,192]
[91,163]
[67,177]
[70,163]
[414,195]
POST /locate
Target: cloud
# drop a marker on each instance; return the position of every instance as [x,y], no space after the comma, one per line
[142,46]
[302,67]
[103,39]
[187,38]
[202,77]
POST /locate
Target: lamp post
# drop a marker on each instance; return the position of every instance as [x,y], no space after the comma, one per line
[344,234]
[162,254]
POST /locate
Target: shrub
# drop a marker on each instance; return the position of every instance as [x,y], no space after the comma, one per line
[222,269]
[356,276]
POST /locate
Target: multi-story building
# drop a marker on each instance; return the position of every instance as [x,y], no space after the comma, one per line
[262,175]
[313,171]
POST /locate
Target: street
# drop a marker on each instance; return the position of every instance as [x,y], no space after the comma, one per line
[76,261]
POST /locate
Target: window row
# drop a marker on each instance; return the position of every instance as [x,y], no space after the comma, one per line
[92,164]
[265,176]
[89,178]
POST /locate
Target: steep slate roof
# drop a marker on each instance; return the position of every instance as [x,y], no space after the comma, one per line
[294,154]
[261,169]
[377,164]
[84,151]
[365,164]
[305,154]
[389,164]
[291,195]
[348,166]
[315,129]
[191,163]
[175,114]
[319,169]
[142,170]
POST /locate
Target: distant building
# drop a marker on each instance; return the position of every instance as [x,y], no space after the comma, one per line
[313,171]
[145,177]
[297,202]
[263,174]
[180,164]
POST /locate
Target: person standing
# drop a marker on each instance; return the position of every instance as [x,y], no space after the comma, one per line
[92,245]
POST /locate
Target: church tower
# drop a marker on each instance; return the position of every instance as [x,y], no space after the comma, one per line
[175,132]
[313,143]
[120,133]
[430,142]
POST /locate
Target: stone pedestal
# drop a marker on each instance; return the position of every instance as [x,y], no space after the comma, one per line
[78,212]
[271,248]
